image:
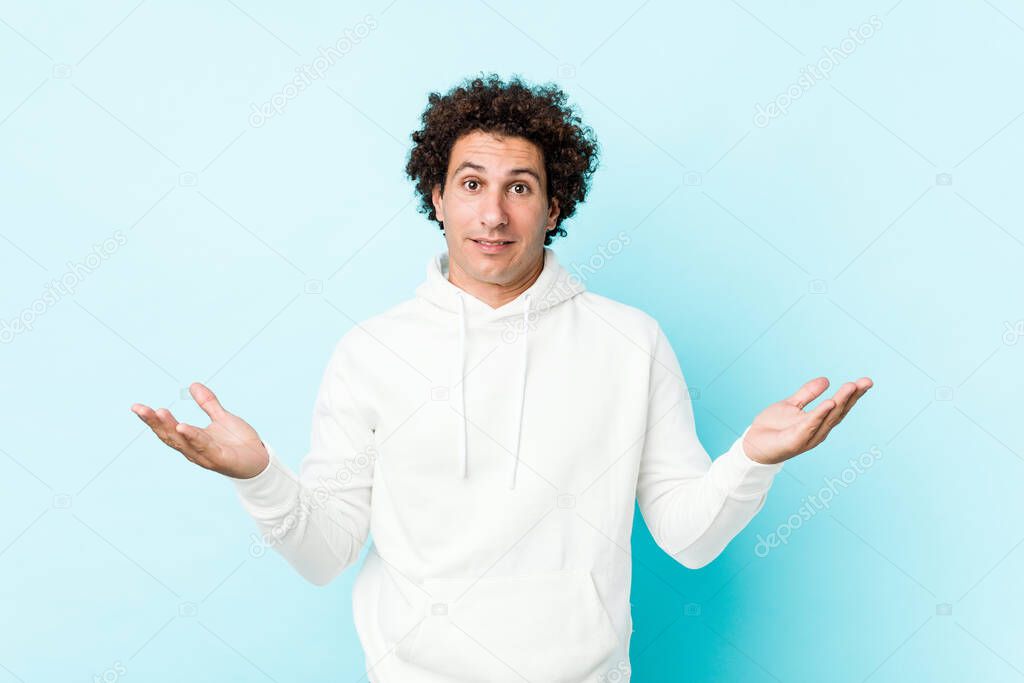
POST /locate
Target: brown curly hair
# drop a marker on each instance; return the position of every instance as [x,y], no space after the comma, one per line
[487,104]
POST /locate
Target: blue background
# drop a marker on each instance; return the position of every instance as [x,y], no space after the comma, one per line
[875,228]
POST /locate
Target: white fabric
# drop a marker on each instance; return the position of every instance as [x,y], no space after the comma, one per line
[495,456]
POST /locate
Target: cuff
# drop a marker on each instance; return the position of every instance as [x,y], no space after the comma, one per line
[740,476]
[274,487]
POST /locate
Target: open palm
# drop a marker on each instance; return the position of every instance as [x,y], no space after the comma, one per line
[229,445]
[783,429]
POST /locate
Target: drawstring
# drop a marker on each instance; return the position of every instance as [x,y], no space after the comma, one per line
[522,386]
[463,454]
[462,386]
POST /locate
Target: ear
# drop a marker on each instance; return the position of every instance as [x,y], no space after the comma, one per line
[435,196]
[553,211]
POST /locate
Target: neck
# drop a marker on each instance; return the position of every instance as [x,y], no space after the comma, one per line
[493,294]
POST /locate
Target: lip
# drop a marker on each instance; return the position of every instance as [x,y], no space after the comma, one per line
[491,248]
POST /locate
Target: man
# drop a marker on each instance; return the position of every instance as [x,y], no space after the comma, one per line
[493,431]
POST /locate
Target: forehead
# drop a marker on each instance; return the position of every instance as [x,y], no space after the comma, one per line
[496,155]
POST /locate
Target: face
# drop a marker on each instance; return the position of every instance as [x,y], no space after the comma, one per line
[495,190]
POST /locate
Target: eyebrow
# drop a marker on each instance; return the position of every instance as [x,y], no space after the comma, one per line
[478,167]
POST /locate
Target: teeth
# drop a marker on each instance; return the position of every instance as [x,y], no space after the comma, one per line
[491,243]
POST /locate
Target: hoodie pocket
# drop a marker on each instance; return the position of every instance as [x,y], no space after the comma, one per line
[549,627]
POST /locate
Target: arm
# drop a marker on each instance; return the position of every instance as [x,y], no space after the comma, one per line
[319,520]
[692,506]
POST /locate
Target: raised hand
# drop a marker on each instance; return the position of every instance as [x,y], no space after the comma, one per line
[784,430]
[228,445]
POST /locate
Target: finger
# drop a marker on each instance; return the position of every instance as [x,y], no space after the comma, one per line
[165,429]
[199,440]
[841,398]
[170,435]
[808,392]
[808,426]
[820,429]
[152,420]
[167,421]
[862,388]
[207,400]
[201,444]
[144,413]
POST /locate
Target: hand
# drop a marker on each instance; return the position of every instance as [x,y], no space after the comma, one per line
[784,430]
[228,446]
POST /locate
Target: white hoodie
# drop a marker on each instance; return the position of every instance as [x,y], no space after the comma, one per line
[494,455]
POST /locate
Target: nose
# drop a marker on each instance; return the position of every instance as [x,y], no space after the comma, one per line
[492,211]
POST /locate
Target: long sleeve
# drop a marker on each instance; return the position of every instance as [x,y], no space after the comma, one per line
[319,520]
[692,506]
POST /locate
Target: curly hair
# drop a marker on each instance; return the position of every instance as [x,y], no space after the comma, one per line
[487,104]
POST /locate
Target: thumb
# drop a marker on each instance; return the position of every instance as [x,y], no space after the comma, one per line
[808,392]
[207,400]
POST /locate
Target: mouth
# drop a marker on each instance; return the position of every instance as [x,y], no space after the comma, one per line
[492,246]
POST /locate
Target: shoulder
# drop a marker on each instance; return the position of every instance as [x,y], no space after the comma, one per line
[368,333]
[636,323]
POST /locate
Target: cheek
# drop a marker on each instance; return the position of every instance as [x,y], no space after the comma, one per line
[459,210]
[529,213]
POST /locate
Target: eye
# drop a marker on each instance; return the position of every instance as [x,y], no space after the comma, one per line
[526,188]
[469,181]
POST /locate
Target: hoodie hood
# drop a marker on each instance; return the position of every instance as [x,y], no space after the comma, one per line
[552,287]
